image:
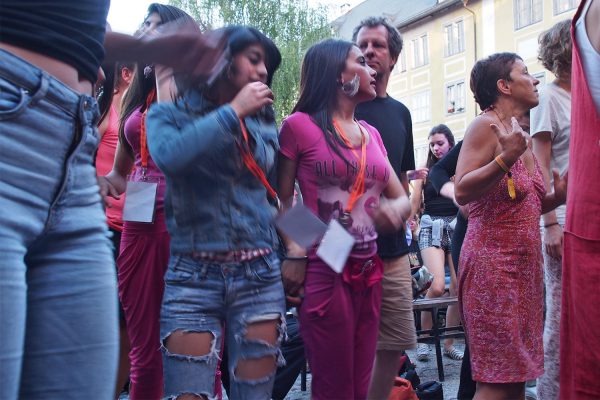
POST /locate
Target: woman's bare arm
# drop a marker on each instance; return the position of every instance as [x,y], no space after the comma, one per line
[476,171]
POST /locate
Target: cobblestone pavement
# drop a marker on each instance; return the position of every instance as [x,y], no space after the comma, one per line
[426,370]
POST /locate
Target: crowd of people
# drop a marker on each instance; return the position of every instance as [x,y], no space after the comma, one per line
[142,178]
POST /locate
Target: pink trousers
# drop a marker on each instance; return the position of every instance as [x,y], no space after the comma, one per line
[339,326]
[141,266]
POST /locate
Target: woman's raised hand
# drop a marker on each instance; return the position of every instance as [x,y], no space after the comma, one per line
[514,143]
[251,99]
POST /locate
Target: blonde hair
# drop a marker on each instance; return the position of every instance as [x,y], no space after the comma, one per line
[555,49]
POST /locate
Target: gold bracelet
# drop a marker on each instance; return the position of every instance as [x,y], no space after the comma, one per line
[502,164]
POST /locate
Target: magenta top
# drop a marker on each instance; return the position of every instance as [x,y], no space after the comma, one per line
[326,180]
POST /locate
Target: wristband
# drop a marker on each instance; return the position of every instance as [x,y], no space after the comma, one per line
[510,183]
[300,258]
[551,224]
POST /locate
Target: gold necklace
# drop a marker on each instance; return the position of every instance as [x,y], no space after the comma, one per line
[500,119]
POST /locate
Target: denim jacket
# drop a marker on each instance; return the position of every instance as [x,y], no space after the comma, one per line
[213,202]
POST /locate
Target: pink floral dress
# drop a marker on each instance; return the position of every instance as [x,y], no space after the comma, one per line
[501,281]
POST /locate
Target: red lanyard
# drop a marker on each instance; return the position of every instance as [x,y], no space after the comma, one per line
[143,141]
[358,189]
[252,165]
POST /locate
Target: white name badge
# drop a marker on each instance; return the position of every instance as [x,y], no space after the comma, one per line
[336,246]
[140,199]
[301,225]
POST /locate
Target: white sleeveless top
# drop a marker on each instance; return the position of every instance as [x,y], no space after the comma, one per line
[590,58]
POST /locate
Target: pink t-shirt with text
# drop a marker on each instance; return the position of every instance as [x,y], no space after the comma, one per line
[326,180]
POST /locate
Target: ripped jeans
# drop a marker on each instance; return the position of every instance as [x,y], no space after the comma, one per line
[58,304]
[202,296]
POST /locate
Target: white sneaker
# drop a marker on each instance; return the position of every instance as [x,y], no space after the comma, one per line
[423,352]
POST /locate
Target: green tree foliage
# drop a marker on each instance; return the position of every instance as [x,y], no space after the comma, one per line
[292,25]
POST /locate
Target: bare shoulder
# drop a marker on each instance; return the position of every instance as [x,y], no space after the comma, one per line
[479,145]
[480,129]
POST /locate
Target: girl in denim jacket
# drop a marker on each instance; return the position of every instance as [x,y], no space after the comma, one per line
[216,145]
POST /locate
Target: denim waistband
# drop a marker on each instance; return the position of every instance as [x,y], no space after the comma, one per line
[40,84]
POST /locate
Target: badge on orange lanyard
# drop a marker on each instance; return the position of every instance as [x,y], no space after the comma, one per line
[140,194]
[358,189]
[337,243]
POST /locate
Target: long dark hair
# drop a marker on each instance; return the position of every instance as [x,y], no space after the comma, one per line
[443,129]
[143,83]
[112,72]
[105,91]
[322,67]
[238,38]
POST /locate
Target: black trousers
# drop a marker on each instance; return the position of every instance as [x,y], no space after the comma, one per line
[467,386]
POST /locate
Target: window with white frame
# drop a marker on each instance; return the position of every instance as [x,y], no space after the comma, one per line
[400,64]
[561,6]
[402,61]
[420,51]
[420,110]
[420,152]
[527,12]
[455,97]
[454,38]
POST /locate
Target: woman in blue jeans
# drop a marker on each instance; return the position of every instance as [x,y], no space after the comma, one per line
[216,146]
[58,305]
[58,308]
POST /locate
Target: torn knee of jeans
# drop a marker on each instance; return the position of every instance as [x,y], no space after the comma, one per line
[281,329]
[211,355]
[279,362]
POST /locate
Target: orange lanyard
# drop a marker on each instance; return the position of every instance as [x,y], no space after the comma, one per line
[358,189]
[251,164]
[143,141]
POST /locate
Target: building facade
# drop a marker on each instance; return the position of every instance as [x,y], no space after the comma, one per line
[442,41]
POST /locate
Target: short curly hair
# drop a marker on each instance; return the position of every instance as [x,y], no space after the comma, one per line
[485,75]
[394,38]
[555,49]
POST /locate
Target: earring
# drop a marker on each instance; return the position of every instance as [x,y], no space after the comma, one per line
[350,88]
[148,70]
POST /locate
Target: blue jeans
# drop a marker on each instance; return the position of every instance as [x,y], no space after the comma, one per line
[203,297]
[58,309]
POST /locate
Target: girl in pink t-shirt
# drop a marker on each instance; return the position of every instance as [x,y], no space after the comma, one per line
[342,169]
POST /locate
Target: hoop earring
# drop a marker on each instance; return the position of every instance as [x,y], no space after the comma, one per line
[350,88]
[148,69]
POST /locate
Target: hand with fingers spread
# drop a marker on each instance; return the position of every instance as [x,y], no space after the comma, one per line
[513,144]
[253,97]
